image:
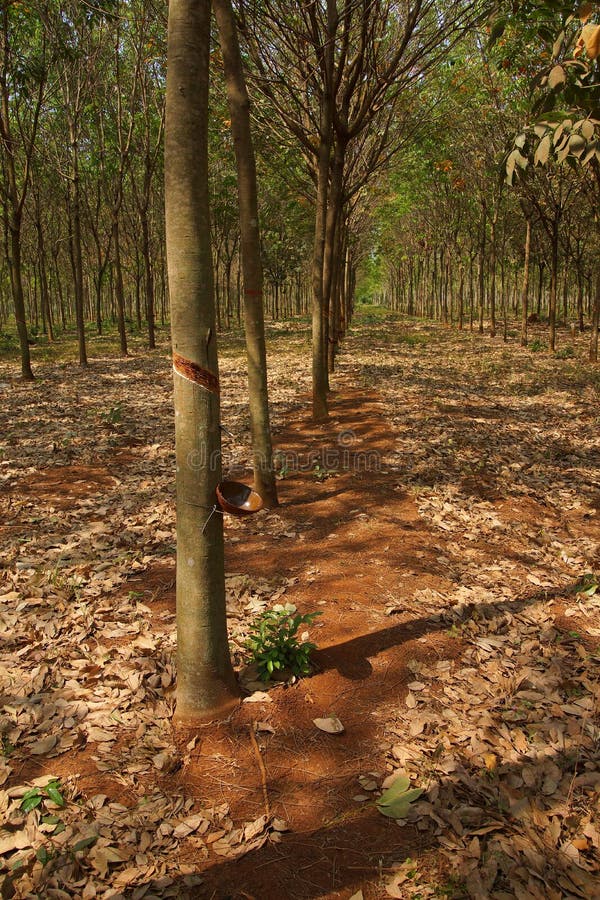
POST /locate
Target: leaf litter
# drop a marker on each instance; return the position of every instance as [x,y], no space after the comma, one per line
[502,742]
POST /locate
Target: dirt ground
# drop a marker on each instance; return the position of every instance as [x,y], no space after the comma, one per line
[444,521]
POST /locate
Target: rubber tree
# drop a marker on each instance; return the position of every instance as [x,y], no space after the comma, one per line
[336,74]
[206,684]
[239,107]
[22,87]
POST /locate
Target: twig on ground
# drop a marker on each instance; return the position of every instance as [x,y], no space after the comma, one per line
[263,771]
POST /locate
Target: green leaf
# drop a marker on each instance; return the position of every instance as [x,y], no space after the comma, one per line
[52,789]
[42,855]
[395,802]
[399,786]
[85,842]
[31,799]
[400,807]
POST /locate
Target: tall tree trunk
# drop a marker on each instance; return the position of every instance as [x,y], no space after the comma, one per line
[493,274]
[540,286]
[119,291]
[239,107]
[16,281]
[553,283]
[332,233]
[580,324]
[525,290]
[42,258]
[319,357]
[482,273]
[76,254]
[206,684]
[149,278]
[595,320]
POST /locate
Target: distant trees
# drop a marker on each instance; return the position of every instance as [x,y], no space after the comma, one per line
[81,143]
[22,94]
[480,246]
[562,137]
[378,133]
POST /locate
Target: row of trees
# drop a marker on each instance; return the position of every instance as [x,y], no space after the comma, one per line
[81,136]
[510,227]
[82,127]
[349,144]
[82,96]
[352,64]
[379,129]
[337,84]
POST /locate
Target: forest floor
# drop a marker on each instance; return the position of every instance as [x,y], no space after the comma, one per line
[446,523]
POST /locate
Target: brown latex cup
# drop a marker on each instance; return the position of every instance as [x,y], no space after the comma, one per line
[238,499]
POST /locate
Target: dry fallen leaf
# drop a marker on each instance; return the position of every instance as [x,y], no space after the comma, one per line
[331,725]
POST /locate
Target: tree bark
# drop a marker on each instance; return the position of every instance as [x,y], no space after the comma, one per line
[553,283]
[525,290]
[319,356]
[595,320]
[75,239]
[206,684]
[239,107]
[119,290]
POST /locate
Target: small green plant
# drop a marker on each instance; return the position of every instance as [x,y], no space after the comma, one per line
[588,584]
[114,415]
[281,466]
[537,346]
[6,747]
[8,342]
[567,352]
[274,643]
[321,473]
[36,796]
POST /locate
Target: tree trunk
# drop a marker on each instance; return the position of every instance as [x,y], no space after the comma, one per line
[16,280]
[119,291]
[580,324]
[319,357]
[525,290]
[493,274]
[239,107]
[595,320]
[149,276]
[206,684]
[553,284]
[76,254]
[482,274]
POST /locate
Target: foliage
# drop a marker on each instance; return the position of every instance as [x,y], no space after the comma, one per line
[37,796]
[275,645]
[565,84]
[537,346]
[395,802]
